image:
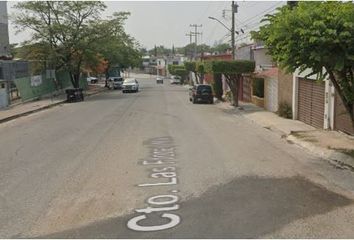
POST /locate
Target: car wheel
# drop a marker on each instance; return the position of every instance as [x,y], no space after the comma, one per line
[123,91]
[211,101]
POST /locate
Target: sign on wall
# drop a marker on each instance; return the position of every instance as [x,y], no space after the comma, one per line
[36,80]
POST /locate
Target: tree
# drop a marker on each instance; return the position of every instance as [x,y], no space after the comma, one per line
[65,27]
[182,72]
[159,51]
[115,46]
[317,36]
[191,67]
[200,71]
[217,86]
[232,70]
[220,48]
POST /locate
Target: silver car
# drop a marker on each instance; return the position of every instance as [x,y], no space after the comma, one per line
[130,85]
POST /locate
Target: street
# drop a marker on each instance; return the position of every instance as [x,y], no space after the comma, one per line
[153,165]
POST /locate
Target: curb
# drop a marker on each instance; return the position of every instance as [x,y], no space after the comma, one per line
[336,158]
[30,112]
[7,119]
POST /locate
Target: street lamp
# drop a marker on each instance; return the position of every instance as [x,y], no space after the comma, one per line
[232,31]
[212,18]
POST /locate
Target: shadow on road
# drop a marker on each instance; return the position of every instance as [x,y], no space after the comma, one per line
[247,207]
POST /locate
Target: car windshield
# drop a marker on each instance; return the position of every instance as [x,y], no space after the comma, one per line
[204,88]
[129,81]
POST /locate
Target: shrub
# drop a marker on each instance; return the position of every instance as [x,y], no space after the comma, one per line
[258,87]
[228,96]
[285,110]
[217,86]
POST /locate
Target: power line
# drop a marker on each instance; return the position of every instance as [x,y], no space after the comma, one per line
[273,7]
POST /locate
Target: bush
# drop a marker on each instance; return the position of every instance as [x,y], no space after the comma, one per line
[217,86]
[258,87]
[285,110]
[228,96]
[231,67]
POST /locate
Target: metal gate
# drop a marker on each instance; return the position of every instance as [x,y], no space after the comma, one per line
[311,102]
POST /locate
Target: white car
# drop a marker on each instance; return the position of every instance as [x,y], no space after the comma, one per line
[175,80]
[130,85]
[92,80]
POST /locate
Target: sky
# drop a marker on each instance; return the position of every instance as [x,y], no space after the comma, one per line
[167,22]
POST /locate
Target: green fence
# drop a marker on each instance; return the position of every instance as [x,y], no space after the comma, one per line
[47,85]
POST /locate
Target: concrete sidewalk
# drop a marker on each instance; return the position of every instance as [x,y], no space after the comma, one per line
[334,146]
[27,108]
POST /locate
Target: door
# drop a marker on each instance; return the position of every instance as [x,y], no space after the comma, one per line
[311,102]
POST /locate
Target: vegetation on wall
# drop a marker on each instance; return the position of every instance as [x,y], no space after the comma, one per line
[318,36]
[232,70]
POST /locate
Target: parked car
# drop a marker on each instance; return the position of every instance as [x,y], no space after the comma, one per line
[130,85]
[175,80]
[115,82]
[92,79]
[159,80]
[201,93]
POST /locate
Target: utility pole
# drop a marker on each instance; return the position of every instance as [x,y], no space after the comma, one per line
[195,33]
[233,11]
[190,34]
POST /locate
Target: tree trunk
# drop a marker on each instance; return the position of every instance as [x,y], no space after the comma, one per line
[232,81]
[196,77]
[348,106]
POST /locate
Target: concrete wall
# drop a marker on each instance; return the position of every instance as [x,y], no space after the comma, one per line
[285,88]
[244,53]
[262,58]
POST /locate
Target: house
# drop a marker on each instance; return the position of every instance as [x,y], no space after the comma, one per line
[318,104]
[209,78]
[161,66]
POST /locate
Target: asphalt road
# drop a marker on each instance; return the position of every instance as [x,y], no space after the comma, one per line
[153,165]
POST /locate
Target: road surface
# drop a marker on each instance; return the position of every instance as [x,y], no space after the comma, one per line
[153,165]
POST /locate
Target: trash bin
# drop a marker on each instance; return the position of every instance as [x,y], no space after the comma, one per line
[74,95]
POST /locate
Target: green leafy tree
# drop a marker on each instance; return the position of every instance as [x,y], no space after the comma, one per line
[191,67]
[160,51]
[232,70]
[66,27]
[182,72]
[221,48]
[116,46]
[318,36]
[217,86]
[200,70]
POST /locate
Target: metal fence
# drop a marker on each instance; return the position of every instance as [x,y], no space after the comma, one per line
[27,80]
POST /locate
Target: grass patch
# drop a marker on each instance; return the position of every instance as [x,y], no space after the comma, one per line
[303,137]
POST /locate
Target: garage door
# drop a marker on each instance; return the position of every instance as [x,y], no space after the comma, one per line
[342,120]
[311,102]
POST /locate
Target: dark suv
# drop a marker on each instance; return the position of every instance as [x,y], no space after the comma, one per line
[201,93]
